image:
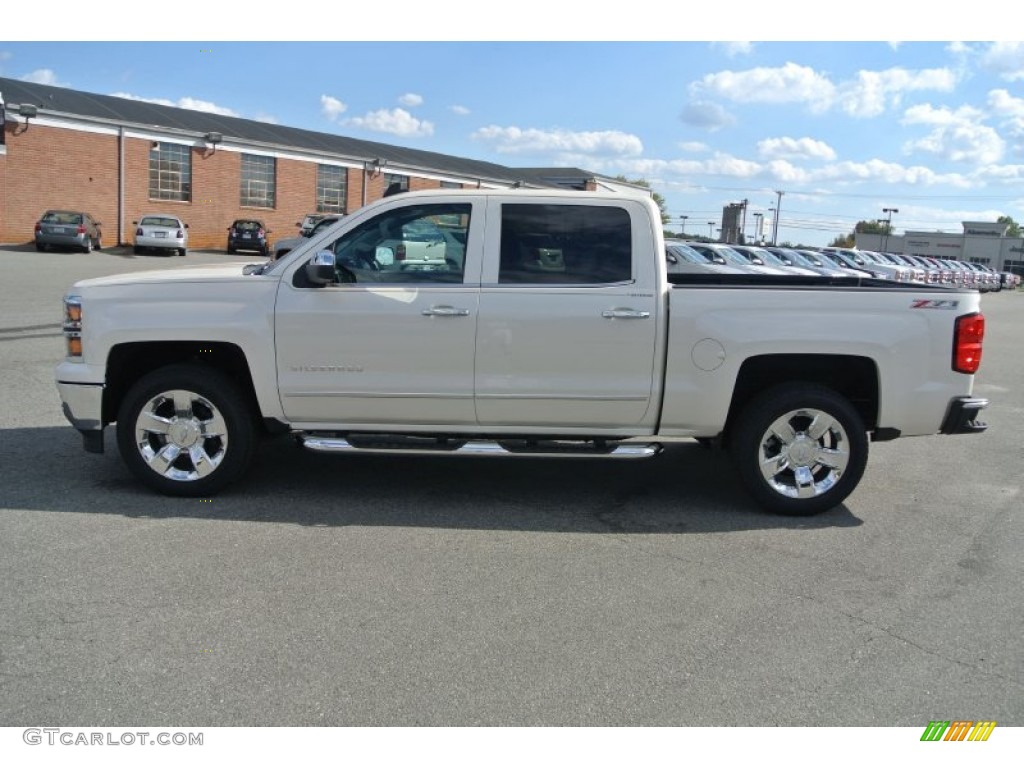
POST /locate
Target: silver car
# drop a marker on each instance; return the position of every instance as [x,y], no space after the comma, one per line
[68,229]
[161,232]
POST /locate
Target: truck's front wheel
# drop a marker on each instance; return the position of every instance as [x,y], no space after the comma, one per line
[800,449]
[184,430]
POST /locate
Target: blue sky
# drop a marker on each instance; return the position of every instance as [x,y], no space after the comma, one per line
[844,129]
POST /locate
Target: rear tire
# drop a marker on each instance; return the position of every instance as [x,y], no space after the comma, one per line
[87,248]
[136,250]
[184,430]
[181,251]
[800,448]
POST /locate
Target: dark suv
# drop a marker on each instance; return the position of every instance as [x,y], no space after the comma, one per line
[248,235]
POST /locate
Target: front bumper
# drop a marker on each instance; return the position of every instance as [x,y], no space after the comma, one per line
[83,407]
[961,416]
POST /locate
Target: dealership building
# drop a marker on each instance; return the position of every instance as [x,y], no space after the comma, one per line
[119,159]
[983,242]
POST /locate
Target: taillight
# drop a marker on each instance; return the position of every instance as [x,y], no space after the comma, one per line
[180,234]
[81,229]
[968,334]
[258,234]
[39,226]
[232,231]
[139,232]
[400,252]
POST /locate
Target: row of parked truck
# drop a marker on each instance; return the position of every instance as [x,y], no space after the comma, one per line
[701,257]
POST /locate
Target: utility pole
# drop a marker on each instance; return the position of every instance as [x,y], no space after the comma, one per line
[683,231]
[888,226]
[710,230]
[778,212]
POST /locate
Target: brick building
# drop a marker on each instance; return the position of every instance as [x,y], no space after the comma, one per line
[119,158]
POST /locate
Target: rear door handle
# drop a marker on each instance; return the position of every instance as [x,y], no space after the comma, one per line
[445,311]
[625,314]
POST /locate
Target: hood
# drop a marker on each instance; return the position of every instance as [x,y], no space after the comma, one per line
[209,274]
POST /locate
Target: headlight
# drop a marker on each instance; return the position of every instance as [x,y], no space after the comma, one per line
[73,325]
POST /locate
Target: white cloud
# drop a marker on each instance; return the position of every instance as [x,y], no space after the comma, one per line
[706,114]
[867,95]
[43,77]
[786,147]
[331,108]
[265,118]
[458,109]
[1005,59]
[784,172]
[871,93]
[693,146]
[957,135]
[788,84]
[185,102]
[410,100]
[513,140]
[1002,103]
[735,48]
[393,121]
[6,55]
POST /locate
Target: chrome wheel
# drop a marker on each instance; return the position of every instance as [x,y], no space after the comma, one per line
[181,435]
[800,448]
[804,453]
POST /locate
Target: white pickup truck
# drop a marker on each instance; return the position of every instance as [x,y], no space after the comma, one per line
[550,328]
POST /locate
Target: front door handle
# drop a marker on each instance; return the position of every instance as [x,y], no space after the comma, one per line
[625,314]
[445,311]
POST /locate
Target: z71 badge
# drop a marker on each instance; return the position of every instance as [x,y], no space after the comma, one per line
[934,304]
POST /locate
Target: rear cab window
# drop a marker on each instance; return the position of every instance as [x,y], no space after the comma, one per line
[553,244]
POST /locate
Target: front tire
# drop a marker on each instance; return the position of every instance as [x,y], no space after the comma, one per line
[184,430]
[800,449]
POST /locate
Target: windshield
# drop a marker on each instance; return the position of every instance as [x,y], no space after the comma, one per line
[686,253]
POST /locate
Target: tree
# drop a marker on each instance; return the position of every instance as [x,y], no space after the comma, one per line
[658,199]
[864,227]
[1014,230]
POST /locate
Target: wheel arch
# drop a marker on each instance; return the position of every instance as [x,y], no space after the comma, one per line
[129,362]
[854,377]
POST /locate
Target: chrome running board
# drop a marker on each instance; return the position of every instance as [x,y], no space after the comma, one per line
[397,445]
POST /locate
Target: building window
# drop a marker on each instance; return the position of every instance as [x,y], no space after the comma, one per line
[395,183]
[450,185]
[331,189]
[258,181]
[170,172]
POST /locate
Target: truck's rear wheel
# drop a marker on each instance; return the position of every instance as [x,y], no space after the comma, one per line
[184,430]
[800,449]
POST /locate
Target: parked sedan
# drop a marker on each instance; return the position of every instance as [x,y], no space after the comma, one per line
[68,229]
[248,235]
[161,232]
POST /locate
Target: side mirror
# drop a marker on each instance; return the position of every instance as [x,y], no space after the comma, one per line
[186,226]
[385,256]
[671,259]
[135,222]
[320,268]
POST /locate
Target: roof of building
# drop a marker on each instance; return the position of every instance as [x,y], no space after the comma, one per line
[125,111]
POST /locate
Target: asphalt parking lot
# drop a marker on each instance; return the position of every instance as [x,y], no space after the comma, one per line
[412,591]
